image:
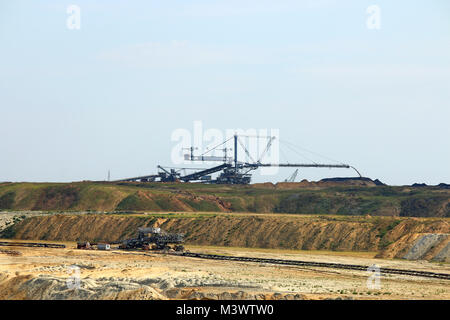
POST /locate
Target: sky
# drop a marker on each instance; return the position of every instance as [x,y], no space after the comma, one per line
[109,96]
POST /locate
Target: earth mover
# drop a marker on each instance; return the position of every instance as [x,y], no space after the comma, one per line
[155,239]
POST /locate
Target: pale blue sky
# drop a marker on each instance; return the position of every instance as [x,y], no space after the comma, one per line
[75,103]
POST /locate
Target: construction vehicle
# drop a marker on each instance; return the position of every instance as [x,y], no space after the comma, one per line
[156,239]
[231,170]
[84,245]
[103,246]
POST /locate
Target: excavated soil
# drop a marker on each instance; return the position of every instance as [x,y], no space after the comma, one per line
[44,273]
[390,237]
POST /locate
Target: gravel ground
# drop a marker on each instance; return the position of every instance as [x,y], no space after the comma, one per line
[424,244]
[44,273]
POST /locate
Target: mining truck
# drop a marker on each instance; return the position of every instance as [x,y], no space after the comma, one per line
[156,239]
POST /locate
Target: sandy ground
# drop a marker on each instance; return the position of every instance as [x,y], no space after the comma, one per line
[43,273]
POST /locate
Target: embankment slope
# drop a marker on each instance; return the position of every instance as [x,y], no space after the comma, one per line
[302,198]
[391,237]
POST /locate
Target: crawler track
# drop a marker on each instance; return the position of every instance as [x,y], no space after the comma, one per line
[425,274]
[32,244]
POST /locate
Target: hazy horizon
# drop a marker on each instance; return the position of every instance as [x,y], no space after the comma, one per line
[75,103]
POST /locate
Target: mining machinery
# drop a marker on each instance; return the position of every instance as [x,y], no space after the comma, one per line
[154,238]
[231,170]
[292,177]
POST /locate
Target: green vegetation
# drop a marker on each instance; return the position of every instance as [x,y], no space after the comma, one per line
[385,229]
[422,204]
[8,233]
[7,200]
[134,202]
[182,197]
[202,205]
